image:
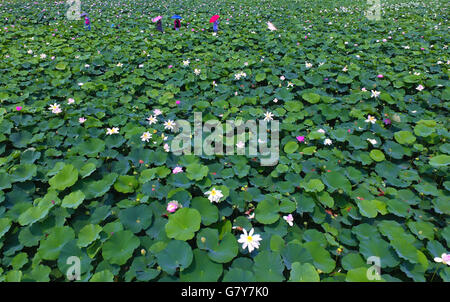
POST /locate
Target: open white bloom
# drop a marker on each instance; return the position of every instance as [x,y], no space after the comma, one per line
[110,131]
[43,55]
[119,64]
[308,65]
[345,69]
[290,84]
[70,101]
[152,120]
[214,195]
[445,258]
[169,125]
[250,240]
[275,100]
[375,93]
[55,108]
[371,119]
[157,112]
[372,141]
[268,116]
[271,26]
[197,71]
[289,219]
[420,88]
[321,131]
[186,62]
[327,141]
[146,136]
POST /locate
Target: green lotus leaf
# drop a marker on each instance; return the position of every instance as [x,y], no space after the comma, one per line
[221,251]
[73,200]
[267,210]
[202,269]
[440,161]
[303,272]
[268,267]
[88,234]
[103,276]
[377,155]
[120,247]
[65,178]
[183,224]
[51,246]
[404,137]
[136,218]
[176,255]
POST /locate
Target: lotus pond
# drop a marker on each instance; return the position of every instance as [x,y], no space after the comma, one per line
[88,180]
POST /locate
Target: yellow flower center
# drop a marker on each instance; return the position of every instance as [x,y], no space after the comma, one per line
[249,238]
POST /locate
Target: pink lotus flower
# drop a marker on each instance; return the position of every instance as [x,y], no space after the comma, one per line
[380,76]
[177,170]
[170,66]
[300,138]
[172,206]
[178,102]
[18,108]
[81,120]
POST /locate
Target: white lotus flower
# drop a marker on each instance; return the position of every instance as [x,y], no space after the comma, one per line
[240,145]
[308,65]
[186,62]
[268,116]
[372,141]
[146,136]
[214,195]
[169,125]
[197,71]
[375,93]
[420,88]
[55,108]
[321,131]
[250,240]
[371,119]
[110,131]
[271,26]
[327,141]
[152,120]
